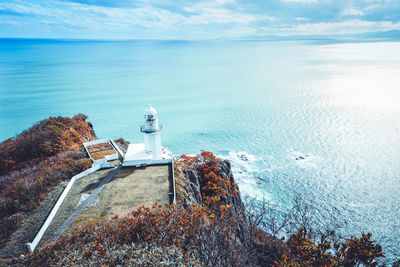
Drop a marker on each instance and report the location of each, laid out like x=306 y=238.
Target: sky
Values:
x=208 y=19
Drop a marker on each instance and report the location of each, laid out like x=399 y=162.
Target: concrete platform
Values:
x=123 y=189
x=136 y=155
x=128 y=190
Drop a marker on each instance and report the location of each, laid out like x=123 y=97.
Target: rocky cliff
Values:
x=209 y=226
x=190 y=180
x=206 y=227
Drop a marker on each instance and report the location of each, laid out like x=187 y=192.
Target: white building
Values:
x=150 y=152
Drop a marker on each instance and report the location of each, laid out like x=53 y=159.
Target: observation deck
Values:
x=144 y=130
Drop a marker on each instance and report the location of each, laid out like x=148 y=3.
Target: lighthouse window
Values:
x=150 y=117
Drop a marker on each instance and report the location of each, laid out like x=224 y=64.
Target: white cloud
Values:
x=215 y=12
x=222 y=2
x=373 y=6
x=77 y=17
x=10 y=22
x=302 y=1
x=149 y=17
x=240 y=31
x=302 y=19
x=27 y=8
x=206 y=18
x=352 y=12
x=215 y=15
x=199 y=6
x=345 y=27
x=158 y=18
x=266 y=17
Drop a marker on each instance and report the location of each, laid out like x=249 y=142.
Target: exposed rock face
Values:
x=189 y=182
x=193 y=178
x=235 y=199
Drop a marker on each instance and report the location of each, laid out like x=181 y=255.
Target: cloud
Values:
x=239 y=31
x=148 y=17
x=182 y=19
x=346 y=27
x=218 y=15
x=215 y=12
x=352 y=12
x=158 y=18
x=11 y=22
x=110 y=3
x=266 y=17
x=25 y=9
x=74 y=17
x=302 y=19
x=222 y=2
x=302 y=1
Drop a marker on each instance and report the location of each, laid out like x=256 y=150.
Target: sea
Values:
x=318 y=119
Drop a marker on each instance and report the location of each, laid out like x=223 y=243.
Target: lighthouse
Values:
x=152 y=133
x=150 y=152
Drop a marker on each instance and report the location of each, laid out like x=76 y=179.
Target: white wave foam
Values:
x=303 y=160
x=167 y=151
x=242 y=156
x=244 y=169
x=241 y=162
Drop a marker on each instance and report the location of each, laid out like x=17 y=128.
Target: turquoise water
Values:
x=337 y=105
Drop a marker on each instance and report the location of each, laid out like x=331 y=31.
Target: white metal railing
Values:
x=144 y=130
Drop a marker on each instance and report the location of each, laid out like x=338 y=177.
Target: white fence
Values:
x=32 y=245
x=98 y=164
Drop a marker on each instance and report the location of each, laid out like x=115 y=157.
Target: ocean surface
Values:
x=310 y=118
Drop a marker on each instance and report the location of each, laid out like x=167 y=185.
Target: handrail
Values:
x=143 y=129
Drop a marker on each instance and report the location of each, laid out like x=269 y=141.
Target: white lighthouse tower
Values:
x=150 y=152
x=152 y=133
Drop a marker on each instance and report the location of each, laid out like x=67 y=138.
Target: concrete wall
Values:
x=144 y=163
x=121 y=154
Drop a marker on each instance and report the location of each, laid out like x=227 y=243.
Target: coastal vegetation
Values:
x=208 y=226
x=37 y=160
x=47 y=138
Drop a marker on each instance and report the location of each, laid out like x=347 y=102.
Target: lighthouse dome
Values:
x=150 y=111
